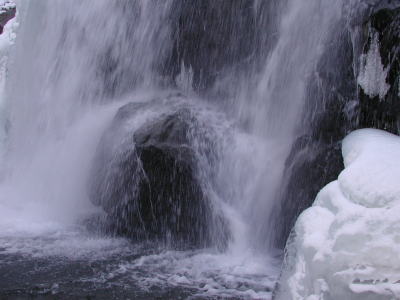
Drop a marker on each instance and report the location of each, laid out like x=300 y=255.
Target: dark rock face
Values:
x=212 y=38
x=146 y=181
x=375 y=112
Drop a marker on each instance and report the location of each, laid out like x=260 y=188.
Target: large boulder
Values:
x=147 y=177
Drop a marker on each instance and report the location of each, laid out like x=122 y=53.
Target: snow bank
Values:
x=347 y=245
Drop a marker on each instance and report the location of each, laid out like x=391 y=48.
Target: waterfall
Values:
x=278 y=100
x=78 y=58
x=87 y=77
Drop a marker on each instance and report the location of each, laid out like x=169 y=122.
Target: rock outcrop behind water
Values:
x=379 y=78
x=330 y=255
x=146 y=176
x=356 y=86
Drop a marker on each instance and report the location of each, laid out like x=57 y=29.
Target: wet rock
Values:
x=383 y=112
x=335 y=107
x=211 y=37
x=146 y=179
x=315 y=158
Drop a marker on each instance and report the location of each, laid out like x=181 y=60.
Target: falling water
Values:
x=276 y=104
x=75 y=63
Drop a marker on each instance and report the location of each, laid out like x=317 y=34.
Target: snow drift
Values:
x=347 y=245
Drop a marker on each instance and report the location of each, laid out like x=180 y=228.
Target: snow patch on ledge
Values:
x=7 y=4
x=372 y=77
x=347 y=245
x=7 y=40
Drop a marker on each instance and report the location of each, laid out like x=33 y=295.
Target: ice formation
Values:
x=184 y=80
x=372 y=77
x=347 y=245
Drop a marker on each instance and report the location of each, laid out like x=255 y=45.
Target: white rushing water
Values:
x=75 y=63
x=280 y=95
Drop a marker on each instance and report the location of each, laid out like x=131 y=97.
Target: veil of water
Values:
x=75 y=63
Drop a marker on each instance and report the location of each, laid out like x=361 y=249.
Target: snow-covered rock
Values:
x=7 y=37
x=8 y=10
x=347 y=245
x=8 y=29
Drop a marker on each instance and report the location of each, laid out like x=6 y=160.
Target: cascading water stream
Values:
x=75 y=63
x=276 y=104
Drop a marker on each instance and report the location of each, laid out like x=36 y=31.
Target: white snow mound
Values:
x=347 y=245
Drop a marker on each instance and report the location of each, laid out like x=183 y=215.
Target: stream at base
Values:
x=73 y=263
